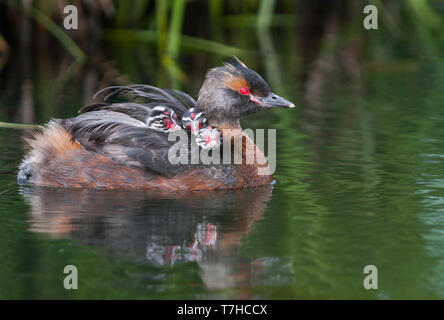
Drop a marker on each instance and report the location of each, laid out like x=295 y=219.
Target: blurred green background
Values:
x=293 y=44
x=360 y=161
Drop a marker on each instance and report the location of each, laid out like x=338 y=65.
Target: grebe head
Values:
x=193 y=120
x=233 y=91
x=162 y=119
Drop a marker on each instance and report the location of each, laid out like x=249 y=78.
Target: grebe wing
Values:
x=123 y=139
x=151 y=160
x=134 y=110
x=183 y=98
x=179 y=101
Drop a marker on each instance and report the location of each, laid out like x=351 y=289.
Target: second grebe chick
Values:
x=193 y=120
x=162 y=119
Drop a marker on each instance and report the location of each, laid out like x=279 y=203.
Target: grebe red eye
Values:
x=192 y=115
x=166 y=112
x=244 y=91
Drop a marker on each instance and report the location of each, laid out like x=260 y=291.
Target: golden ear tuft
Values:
x=239 y=62
x=235 y=64
x=235 y=83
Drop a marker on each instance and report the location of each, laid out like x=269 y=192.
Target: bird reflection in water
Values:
x=158 y=228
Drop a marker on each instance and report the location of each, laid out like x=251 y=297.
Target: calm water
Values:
x=359 y=181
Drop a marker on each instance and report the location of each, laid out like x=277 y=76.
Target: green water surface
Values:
x=361 y=186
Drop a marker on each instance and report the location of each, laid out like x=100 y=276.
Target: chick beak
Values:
x=273 y=100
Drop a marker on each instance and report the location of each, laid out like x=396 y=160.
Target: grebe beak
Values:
x=273 y=100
